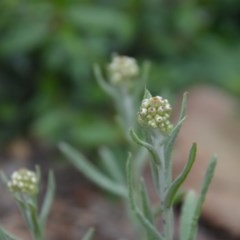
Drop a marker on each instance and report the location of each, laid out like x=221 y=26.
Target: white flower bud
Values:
x=152 y=110
x=145 y=103
x=143 y=112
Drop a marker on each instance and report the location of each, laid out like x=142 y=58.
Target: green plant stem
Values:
x=167 y=214
x=29 y=212
x=168 y=225
x=125 y=104
x=165 y=178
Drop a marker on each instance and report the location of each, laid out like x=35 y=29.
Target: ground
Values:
x=78 y=205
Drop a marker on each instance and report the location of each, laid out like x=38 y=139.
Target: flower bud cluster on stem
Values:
x=122 y=69
x=155 y=112
x=23 y=181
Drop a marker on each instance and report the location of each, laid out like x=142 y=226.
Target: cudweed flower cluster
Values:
x=122 y=69
x=23 y=181
x=24 y=188
x=155 y=112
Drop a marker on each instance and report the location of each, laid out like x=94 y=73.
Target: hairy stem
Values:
x=165 y=178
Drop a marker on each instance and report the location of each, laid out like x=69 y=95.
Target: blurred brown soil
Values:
x=79 y=205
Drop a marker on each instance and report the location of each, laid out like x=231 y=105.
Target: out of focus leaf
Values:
x=101 y=20
x=23 y=37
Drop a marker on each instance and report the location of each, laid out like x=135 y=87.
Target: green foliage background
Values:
x=47 y=49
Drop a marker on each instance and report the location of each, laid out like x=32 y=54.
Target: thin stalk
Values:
x=165 y=178
x=168 y=223
x=127 y=110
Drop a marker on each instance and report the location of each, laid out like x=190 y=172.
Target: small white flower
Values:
x=145 y=103
x=149 y=116
x=158 y=118
x=143 y=112
x=152 y=110
x=33 y=179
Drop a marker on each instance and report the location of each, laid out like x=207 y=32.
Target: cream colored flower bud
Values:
x=23 y=181
x=143 y=112
x=122 y=69
x=158 y=114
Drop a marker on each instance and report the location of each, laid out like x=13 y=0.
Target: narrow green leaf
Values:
x=181 y=177
x=48 y=199
x=22 y=205
x=141 y=156
x=102 y=83
x=90 y=171
x=175 y=131
x=188 y=210
x=146 y=207
x=89 y=234
x=38 y=174
x=207 y=180
x=4 y=235
x=110 y=164
x=155 y=176
x=4 y=178
x=143 y=220
x=36 y=229
x=147 y=94
x=148 y=146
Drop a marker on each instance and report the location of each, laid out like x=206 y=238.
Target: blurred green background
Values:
x=47 y=49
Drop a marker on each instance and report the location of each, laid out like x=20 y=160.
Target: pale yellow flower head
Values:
x=23 y=181
x=122 y=69
x=155 y=112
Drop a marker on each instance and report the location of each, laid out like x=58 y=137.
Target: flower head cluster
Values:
x=23 y=181
x=122 y=69
x=155 y=113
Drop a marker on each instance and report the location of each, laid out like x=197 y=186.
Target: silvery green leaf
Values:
x=4 y=178
x=103 y=84
x=150 y=228
x=188 y=209
x=206 y=182
x=146 y=204
x=110 y=163
x=48 y=199
x=147 y=94
x=176 y=184
x=148 y=146
x=90 y=171
x=89 y=234
x=176 y=129
x=4 y=235
x=146 y=207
